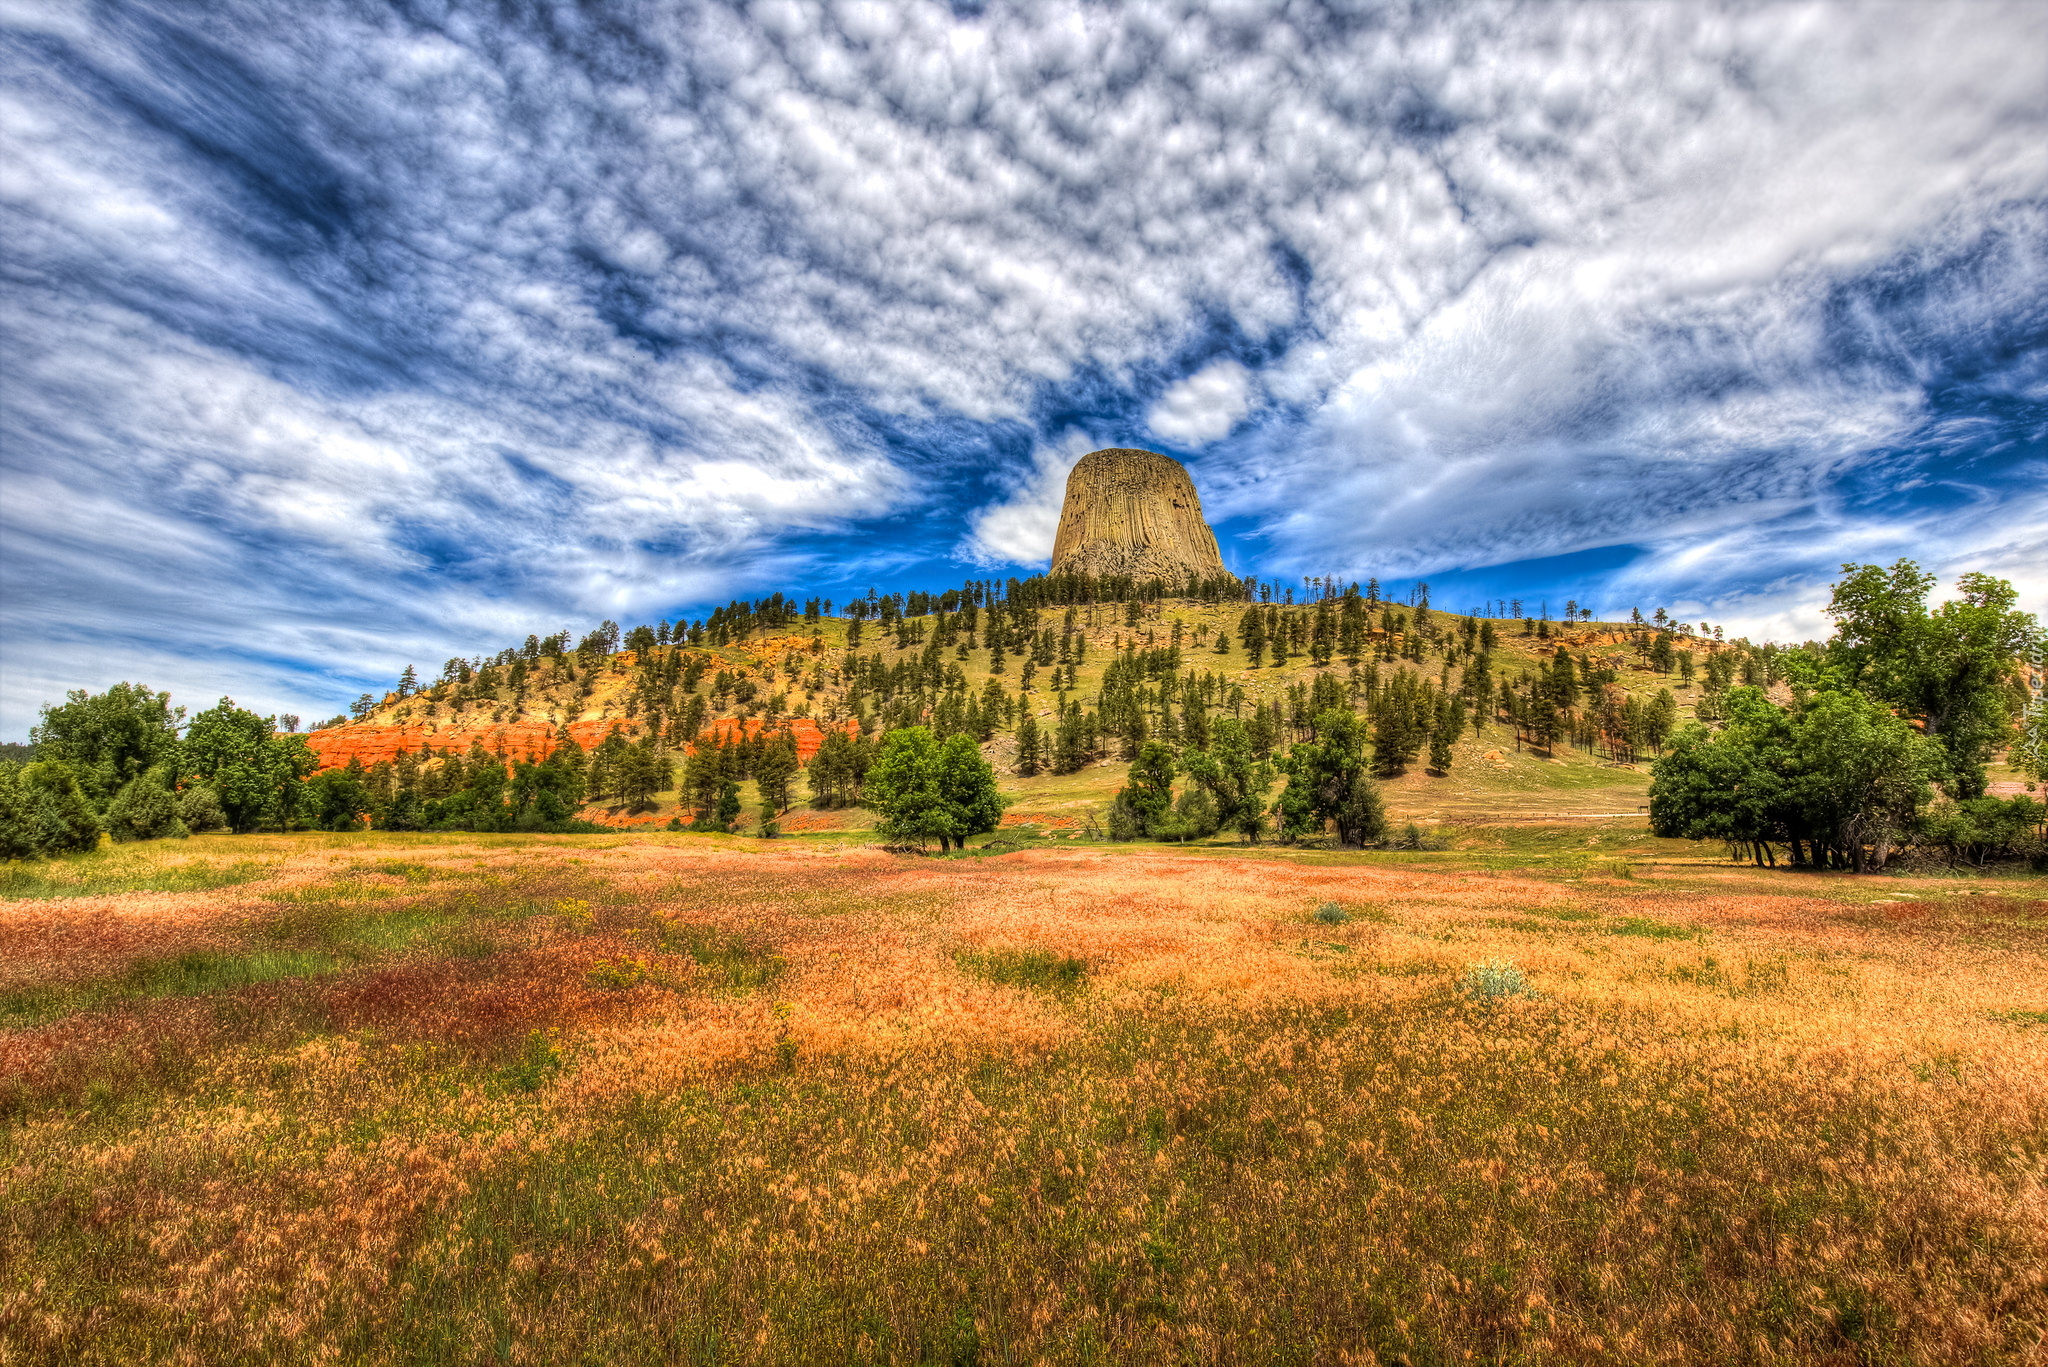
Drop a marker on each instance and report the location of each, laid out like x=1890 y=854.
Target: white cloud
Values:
x=1205 y=406
x=1020 y=529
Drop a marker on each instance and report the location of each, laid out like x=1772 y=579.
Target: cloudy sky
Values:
x=341 y=336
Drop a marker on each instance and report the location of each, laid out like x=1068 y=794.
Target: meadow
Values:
x=1550 y=1096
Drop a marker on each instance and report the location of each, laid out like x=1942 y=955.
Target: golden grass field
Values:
x=680 y=1099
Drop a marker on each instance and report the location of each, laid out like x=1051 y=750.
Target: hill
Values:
x=1142 y=666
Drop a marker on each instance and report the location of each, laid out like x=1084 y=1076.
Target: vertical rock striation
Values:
x=1136 y=513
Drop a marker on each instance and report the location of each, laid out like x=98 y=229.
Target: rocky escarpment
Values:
x=1136 y=513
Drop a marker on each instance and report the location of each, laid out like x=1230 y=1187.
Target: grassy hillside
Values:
x=803 y=671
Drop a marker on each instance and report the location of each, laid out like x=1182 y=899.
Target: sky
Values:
x=336 y=337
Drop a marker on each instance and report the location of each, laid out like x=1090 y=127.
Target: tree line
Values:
x=1883 y=741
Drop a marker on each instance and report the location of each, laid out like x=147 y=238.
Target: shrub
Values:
x=43 y=813
x=199 y=808
x=1494 y=980
x=145 y=809
x=1332 y=914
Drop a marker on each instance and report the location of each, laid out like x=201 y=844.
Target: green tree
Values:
x=928 y=790
x=1351 y=630
x=199 y=808
x=1146 y=798
x=1440 y=753
x=338 y=799
x=1251 y=630
x=1234 y=776
x=252 y=770
x=1951 y=668
x=109 y=739
x=1328 y=783
x=1862 y=774
x=1322 y=639
x=775 y=769
x=1837 y=773
x=1029 y=746
x=838 y=771
x=1731 y=787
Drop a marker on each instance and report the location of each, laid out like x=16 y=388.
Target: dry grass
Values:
x=495 y=1100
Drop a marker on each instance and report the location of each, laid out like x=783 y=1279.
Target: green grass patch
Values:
x=1528 y=925
x=2021 y=1017
x=1038 y=970
x=1643 y=928
x=734 y=963
x=1564 y=912
x=191 y=974
x=93 y=875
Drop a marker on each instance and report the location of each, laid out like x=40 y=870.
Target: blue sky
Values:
x=342 y=336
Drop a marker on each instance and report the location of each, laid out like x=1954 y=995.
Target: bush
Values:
x=199 y=808
x=1979 y=831
x=1331 y=914
x=146 y=809
x=1494 y=980
x=43 y=813
x=1193 y=817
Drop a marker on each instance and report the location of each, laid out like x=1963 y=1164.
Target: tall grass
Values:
x=1692 y=1148
x=92 y=875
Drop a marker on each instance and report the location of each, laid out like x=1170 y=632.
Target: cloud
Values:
x=1204 y=406
x=1020 y=529
x=345 y=334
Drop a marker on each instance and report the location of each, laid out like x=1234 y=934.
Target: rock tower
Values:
x=1136 y=513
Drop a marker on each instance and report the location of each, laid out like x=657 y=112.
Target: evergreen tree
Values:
x=1440 y=751
x=1322 y=644
x=1251 y=629
x=1028 y=758
x=775 y=770
x=1351 y=633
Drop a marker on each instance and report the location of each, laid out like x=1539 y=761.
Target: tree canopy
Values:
x=927 y=789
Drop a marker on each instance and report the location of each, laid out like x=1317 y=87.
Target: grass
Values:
x=804 y=1106
x=118 y=870
x=193 y=973
x=1646 y=928
x=732 y=961
x=1035 y=969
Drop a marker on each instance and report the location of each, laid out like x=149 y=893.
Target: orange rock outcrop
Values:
x=531 y=741
x=372 y=743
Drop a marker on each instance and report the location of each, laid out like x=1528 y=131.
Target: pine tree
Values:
x=1322 y=645
x=1028 y=761
x=1251 y=629
x=775 y=770
x=1351 y=636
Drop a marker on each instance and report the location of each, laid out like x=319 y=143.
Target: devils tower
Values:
x=1136 y=513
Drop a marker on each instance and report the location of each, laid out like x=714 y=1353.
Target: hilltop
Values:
x=979 y=660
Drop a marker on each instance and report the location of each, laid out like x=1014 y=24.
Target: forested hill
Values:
x=1068 y=683
x=1070 y=687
